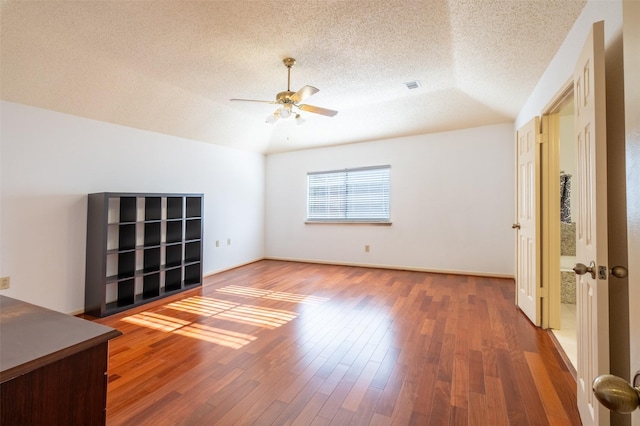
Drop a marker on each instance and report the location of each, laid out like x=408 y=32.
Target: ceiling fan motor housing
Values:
x=284 y=97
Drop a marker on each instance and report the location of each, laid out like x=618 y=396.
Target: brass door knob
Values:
x=616 y=394
x=515 y=226
x=619 y=272
x=581 y=269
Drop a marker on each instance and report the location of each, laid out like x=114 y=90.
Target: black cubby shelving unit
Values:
x=141 y=247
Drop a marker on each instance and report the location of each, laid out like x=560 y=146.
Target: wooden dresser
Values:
x=53 y=367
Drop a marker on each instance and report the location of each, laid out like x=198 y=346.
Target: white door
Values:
x=527 y=225
x=591 y=225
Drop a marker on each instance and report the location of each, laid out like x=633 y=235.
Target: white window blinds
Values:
x=350 y=195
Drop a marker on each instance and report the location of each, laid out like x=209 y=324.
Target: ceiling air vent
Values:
x=412 y=84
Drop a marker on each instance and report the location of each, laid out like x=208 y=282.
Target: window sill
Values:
x=346 y=222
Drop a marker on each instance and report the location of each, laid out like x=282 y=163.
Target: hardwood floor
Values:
x=293 y=343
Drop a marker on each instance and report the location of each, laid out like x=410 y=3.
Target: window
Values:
x=352 y=195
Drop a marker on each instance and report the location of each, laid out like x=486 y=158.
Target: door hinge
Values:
x=543 y=291
x=542 y=135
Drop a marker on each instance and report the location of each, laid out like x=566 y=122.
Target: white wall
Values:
x=452 y=204
x=50 y=161
x=560 y=69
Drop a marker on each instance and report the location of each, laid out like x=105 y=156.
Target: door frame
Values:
x=631 y=49
x=550 y=207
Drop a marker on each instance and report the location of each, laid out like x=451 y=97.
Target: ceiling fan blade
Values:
x=318 y=110
x=254 y=100
x=304 y=93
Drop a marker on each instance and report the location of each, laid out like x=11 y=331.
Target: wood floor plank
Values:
x=478 y=409
x=497 y=414
x=356 y=394
x=310 y=410
x=390 y=393
x=335 y=400
x=342 y=417
x=459 y=416
x=365 y=411
x=550 y=400
x=292 y=390
x=385 y=368
x=295 y=408
x=277 y=342
x=379 y=420
x=269 y=416
x=440 y=408
x=476 y=372
x=532 y=402
x=515 y=404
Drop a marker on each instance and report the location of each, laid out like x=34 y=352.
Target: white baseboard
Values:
x=396 y=267
x=228 y=268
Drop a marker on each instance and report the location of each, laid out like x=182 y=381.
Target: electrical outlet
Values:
x=228 y=241
x=367 y=248
x=217 y=243
x=5 y=283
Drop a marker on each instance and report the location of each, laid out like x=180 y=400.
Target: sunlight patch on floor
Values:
x=274 y=295
x=215 y=335
x=230 y=311
x=202 y=305
x=156 y=321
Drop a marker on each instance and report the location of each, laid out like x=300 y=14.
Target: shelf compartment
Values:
x=126 y=292
x=192 y=251
x=113 y=210
x=111 y=292
x=126 y=264
x=127 y=209
x=151 y=260
x=127 y=237
x=151 y=285
x=194 y=206
x=173 y=255
x=173 y=279
x=193 y=229
x=174 y=231
x=174 y=207
x=152 y=232
x=113 y=236
x=192 y=274
x=152 y=208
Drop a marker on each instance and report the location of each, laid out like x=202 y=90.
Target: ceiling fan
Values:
x=289 y=99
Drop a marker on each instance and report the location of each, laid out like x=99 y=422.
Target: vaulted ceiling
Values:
x=172 y=66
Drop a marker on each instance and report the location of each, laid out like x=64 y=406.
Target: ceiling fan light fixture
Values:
x=285 y=111
x=271 y=118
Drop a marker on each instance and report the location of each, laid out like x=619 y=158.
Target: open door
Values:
x=527 y=224
x=591 y=226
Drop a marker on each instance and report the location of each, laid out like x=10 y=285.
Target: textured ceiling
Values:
x=172 y=66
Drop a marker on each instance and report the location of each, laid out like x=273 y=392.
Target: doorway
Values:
x=565 y=330
x=558 y=213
